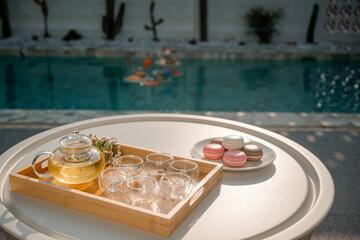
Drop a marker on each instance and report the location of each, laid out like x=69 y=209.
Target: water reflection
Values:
x=206 y=85
x=50 y=81
x=337 y=88
x=307 y=79
x=10 y=84
x=257 y=77
x=200 y=83
x=114 y=74
x=22 y=89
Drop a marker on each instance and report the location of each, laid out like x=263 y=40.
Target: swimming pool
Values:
x=206 y=85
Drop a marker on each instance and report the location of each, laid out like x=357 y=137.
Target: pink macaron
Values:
x=235 y=158
x=213 y=151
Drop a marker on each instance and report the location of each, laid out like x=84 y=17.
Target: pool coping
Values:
x=50 y=117
x=213 y=49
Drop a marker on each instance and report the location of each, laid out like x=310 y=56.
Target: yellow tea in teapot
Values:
x=76 y=173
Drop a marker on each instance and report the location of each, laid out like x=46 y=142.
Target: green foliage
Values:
x=262 y=22
x=109 y=146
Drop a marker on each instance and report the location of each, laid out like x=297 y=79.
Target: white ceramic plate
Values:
x=268 y=156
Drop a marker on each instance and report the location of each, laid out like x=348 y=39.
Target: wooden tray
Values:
x=89 y=198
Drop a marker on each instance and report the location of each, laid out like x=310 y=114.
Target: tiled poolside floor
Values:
x=333 y=138
x=264 y=119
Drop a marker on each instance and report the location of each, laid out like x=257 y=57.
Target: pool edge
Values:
x=50 y=117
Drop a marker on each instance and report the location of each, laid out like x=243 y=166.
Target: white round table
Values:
x=284 y=200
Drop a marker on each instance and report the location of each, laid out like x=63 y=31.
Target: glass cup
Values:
x=112 y=180
x=132 y=163
x=188 y=167
x=176 y=186
x=142 y=189
x=158 y=164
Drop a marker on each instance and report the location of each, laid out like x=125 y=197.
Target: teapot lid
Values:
x=75 y=141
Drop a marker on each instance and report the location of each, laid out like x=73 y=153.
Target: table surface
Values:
x=284 y=200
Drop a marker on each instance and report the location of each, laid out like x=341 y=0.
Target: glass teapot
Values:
x=76 y=161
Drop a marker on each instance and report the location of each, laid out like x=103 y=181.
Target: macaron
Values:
x=213 y=151
x=233 y=142
x=217 y=140
x=235 y=158
x=253 y=152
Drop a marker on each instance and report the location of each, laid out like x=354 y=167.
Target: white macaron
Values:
x=233 y=142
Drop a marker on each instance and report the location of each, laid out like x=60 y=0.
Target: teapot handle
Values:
x=34 y=162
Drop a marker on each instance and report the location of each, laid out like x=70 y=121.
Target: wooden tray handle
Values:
x=197 y=195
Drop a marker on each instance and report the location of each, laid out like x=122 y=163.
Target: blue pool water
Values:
x=206 y=85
